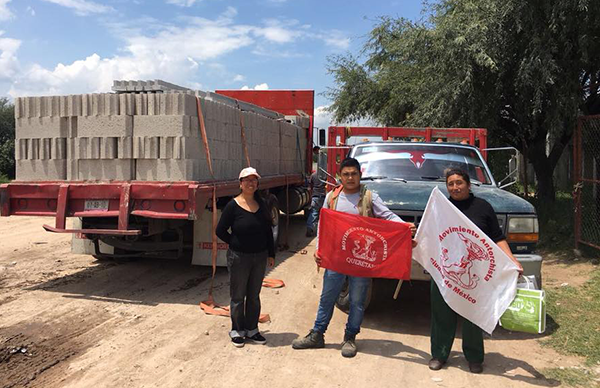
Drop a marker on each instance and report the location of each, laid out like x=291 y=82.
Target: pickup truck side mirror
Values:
x=513 y=167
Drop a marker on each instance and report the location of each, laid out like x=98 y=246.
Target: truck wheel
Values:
x=273 y=206
x=343 y=301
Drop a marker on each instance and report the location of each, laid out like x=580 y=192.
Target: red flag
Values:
x=364 y=246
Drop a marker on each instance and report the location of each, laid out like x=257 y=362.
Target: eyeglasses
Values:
x=251 y=180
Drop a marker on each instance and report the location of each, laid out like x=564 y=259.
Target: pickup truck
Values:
x=404 y=172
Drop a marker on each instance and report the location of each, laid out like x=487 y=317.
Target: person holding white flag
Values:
x=473 y=271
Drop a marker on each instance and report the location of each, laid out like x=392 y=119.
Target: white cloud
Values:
x=183 y=3
x=9 y=63
x=31 y=11
x=82 y=7
x=322 y=118
x=263 y=86
x=5 y=13
x=276 y=31
x=336 y=39
x=185 y=53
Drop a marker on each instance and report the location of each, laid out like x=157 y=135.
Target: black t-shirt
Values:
x=481 y=213
x=250 y=232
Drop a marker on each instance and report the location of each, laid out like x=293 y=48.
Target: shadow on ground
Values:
x=151 y=282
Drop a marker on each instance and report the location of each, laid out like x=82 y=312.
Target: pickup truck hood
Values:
x=413 y=196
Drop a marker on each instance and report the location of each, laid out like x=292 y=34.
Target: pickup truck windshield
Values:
x=418 y=162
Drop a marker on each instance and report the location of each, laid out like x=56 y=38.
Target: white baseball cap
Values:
x=247 y=172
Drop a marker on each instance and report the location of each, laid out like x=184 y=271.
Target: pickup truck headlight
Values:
x=522 y=229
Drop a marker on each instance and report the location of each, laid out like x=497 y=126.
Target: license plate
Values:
x=96 y=205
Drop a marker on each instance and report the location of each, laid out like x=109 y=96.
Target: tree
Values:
x=7 y=138
x=524 y=69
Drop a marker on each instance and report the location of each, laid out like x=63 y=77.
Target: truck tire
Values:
x=343 y=301
x=273 y=206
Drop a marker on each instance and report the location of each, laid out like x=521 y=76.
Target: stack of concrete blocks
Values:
x=43 y=127
x=151 y=136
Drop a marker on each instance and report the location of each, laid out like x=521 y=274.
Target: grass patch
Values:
x=4 y=179
x=576 y=313
x=573 y=377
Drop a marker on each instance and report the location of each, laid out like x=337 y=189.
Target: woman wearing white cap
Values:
x=251 y=246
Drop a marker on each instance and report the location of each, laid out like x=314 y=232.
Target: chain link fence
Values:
x=587 y=181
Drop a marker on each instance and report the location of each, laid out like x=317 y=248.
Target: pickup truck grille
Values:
x=415 y=218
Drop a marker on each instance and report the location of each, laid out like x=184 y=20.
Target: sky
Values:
x=56 y=47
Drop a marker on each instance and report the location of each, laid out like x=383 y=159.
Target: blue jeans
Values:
x=316 y=203
x=332 y=286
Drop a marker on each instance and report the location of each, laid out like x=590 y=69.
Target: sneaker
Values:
x=313 y=340
x=258 y=339
x=435 y=364
x=238 y=342
x=475 y=367
x=349 y=346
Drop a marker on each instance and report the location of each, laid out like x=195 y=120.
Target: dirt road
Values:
x=67 y=320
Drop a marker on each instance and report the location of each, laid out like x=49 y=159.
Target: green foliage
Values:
x=557 y=222
x=7 y=138
x=576 y=312
x=524 y=69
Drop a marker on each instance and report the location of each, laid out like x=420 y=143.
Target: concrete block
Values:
x=19 y=108
x=78 y=149
x=63 y=106
x=58 y=148
x=141 y=104
x=127 y=104
x=125 y=145
x=93 y=148
x=41 y=170
x=45 y=150
x=153 y=104
x=167 y=147
x=37 y=106
x=185 y=104
x=74 y=105
x=86 y=105
x=138 y=147
x=21 y=149
x=33 y=152
x=108 y=148
x=72 y=169
x=49 y=106
x=105 y=126
x=72 y=126
x=106 y=169
x=151 y=147
x=98 y=102
x=163 y=126
x=169 y=170
x=111 y=104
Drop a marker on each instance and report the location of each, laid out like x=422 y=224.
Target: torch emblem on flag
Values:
x=368 y=245
x=459 y=271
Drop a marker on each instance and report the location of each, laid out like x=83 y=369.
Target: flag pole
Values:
x=398 y=289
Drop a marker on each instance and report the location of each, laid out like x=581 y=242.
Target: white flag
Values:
x=475 y=277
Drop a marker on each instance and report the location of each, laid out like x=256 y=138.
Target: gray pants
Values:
x=246 y=274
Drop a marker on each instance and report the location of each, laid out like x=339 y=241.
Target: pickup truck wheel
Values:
x=343 y=301
x=273 y=206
